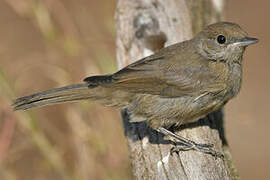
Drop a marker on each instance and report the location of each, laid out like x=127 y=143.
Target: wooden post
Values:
x=144 y=26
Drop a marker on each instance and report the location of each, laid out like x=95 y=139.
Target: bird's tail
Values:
x=96 y=88
x=54 y=96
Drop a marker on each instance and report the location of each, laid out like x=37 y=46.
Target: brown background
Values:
x=46 y=44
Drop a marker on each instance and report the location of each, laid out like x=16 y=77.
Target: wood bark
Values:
x=144 y=26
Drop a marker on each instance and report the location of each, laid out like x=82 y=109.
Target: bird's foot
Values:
x=204 y=148
x=186 y=144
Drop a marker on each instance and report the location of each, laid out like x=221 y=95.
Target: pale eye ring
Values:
x=221 y=39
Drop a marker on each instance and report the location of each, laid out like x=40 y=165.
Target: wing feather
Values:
x=166 y=73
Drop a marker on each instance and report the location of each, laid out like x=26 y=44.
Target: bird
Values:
x=176 y=85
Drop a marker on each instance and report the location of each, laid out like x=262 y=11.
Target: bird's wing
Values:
x=165 y=75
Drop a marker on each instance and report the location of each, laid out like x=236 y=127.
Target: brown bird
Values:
x=178 y=84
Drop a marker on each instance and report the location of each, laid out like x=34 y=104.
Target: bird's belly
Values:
x=159 y=111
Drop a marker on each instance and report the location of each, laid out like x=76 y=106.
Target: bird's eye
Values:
x=221 y=39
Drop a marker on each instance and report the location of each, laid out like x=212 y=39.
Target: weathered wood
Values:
x=143 y=26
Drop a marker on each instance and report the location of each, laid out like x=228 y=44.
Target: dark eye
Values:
x=221 y=39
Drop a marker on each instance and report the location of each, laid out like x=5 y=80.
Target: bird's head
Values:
x=223 y=41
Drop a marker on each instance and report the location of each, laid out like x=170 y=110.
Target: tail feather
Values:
x=59 y=95
x=96 y=88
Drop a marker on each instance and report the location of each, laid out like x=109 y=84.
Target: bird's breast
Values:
x=230 y=75
x=234 y=80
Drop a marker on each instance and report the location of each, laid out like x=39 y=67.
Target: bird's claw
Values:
x=205 y=148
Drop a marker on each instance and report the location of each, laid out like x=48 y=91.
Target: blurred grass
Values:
x=29 y=123
x=48 y=44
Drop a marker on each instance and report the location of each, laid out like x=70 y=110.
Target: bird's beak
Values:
x=246 y=41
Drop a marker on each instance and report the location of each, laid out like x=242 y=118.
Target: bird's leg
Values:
x=187 y=144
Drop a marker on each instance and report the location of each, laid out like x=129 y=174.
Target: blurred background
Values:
x=46 y=44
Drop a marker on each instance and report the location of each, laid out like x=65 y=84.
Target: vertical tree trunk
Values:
x=144 y=26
